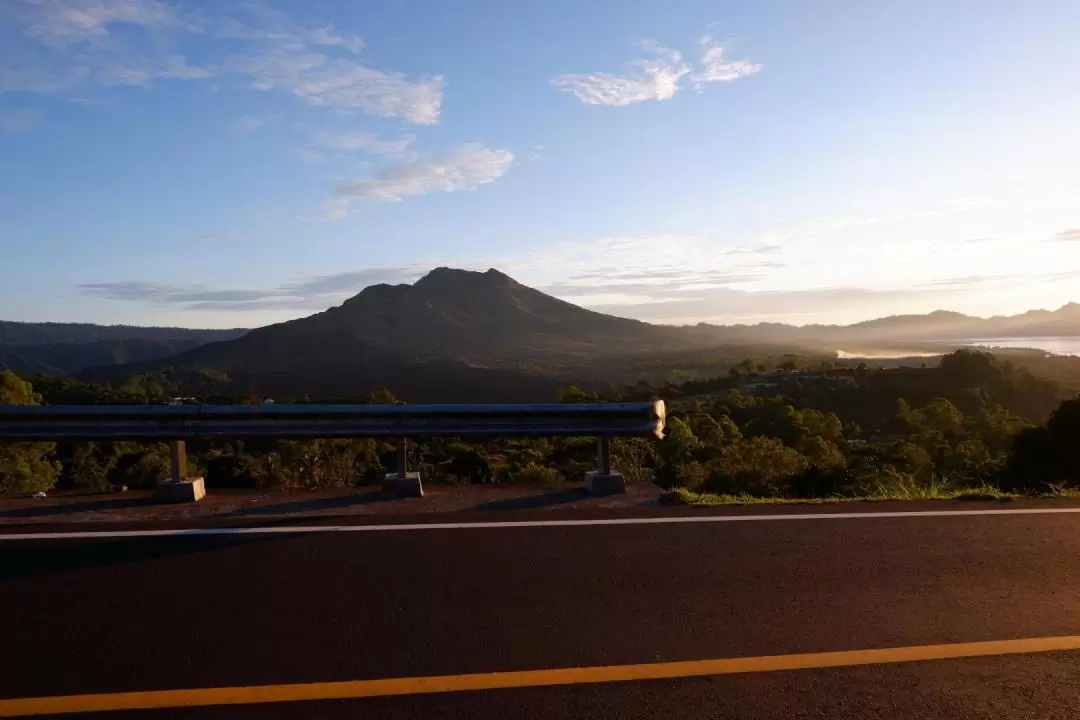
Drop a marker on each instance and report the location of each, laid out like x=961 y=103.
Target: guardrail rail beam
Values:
x=180 y=423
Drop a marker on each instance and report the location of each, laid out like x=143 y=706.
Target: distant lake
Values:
x=1067 y=345
x=1056 y=345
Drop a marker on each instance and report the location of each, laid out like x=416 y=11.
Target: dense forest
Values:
x=973 y=423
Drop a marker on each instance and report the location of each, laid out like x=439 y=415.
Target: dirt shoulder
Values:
x=136 y=506
x=441 y=503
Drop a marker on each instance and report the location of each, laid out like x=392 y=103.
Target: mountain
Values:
x=454 y=335
x=488 y=318
x=67 y=348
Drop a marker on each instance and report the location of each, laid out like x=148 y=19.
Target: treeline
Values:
x=972 y=422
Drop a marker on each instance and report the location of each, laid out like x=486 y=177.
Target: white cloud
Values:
x=343 y=84
x=1068 y=235
x=79 y=46
x=60 y=23
x=467 y=168
x=312 y=292
x=718 y=67
x=658 y=79
x=326 y=36
x=362 y=141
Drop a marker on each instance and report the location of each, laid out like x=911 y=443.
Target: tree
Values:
x=469 y=463
x=16 y=391
x=24 y=467
x=382 y=396
x=574 y=394
x=940 y=414
x=755 y=466
x=971 y=368
x=675 y=452
x=1045 y=456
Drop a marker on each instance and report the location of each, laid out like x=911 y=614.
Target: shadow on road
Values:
x=558 y=497
x=315 y=504
x=76 y=507
x=33 y=558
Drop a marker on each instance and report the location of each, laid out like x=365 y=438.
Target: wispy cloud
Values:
x=651 y=269
x=963 y=281
x=468 y=167
x=362 y=142
x=63 y=23
x=727 y=304
x=1072 y=235
x=72 y=44
x=76 y=44
x=718 y=67
x=342 y=83
x=660 y=286
x=326 y=36
x=657 y=78
x=315 y=292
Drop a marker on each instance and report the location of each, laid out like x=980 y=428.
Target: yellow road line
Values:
x=520 y=679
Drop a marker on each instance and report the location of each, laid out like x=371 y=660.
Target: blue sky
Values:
x=239 y=163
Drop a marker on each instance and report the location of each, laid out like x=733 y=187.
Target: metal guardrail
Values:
x=212 y=422
x=180 y=423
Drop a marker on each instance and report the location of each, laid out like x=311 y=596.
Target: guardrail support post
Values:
x=603 y=455
x=603 y=481
x=403 y=483
x=178 y=460
x=403 y=457
x=179 y=488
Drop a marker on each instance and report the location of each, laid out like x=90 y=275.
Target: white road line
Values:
x=677 y=520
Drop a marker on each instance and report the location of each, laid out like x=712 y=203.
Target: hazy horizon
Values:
x=202 y=164
x=612 y=311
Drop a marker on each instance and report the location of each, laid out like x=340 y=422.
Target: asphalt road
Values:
x=157 y=613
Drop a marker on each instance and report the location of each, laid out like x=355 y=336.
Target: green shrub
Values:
x=538 y=475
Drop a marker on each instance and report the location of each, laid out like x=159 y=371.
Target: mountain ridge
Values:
x=462 y=334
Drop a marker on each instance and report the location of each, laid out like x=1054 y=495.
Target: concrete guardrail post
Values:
x=403 y=483
x=179 y=487
x=603 y=481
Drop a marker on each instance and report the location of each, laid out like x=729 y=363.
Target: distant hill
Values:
x=24 y=334
x=67 y=348
x=936 y=327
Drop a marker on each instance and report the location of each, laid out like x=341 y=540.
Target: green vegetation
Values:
x=987 y=492
x=974 y=427
x=25 y=467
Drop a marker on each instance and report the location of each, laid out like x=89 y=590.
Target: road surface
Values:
x=275 y=615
